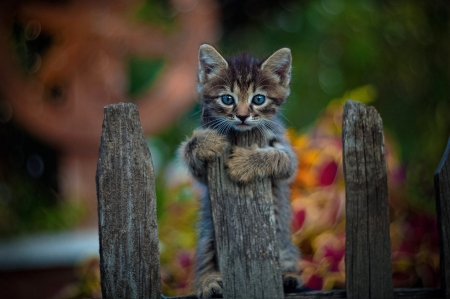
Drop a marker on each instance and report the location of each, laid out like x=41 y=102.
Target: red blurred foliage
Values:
x=327 y=173
x=318 y=201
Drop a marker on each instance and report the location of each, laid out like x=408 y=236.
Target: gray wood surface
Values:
x=413 y=293
x=129 y=253
x=368 y=256
x=442 y=188
x=244 y=225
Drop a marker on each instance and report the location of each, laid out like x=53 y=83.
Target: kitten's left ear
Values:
x=210 y=62
x=279 y=66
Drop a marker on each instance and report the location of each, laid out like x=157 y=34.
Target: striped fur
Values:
x=243 y=77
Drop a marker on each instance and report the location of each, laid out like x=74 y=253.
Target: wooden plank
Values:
x=381 y=284
x=413 y=293
x=368 y=260
x=357 y=262
x=442 y=188
x=317 y=294
x=129 y=253
x=244 y=225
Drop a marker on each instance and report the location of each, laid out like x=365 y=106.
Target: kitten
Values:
x=240 y=94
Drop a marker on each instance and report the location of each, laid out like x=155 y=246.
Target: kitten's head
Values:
x=242 y=92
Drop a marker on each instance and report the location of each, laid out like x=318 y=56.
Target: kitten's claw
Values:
x=210 y=286
x=292 y=283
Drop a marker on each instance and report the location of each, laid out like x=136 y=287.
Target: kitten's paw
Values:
x=292 y=282
x=210 y=285
x=241 y=165
x=208 y=143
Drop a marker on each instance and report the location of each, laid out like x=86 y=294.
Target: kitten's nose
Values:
x=242 y=117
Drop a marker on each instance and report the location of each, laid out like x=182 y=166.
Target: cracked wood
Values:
x=244 y=225
x=368 y=256
x=129 y=253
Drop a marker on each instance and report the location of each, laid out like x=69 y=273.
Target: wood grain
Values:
x=244 y=225
x=442 y=188
x=129 y=253
x=368 y=260
x=413 y=293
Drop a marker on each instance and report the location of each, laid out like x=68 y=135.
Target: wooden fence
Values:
x=245 y=225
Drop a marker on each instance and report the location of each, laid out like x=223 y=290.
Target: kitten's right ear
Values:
x=209 y=62
x=279 y=66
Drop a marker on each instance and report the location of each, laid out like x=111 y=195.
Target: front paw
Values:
x=210 y=285
x=208 y=143
x=242 y=165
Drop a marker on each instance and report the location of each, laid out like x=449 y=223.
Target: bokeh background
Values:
x=61 y=62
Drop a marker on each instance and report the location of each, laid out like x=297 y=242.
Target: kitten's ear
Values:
x=279 y=66
x=209 y=62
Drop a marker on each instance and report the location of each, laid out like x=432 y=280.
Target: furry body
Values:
x=240 y=94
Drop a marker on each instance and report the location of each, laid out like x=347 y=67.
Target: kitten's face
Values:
x=242 y=92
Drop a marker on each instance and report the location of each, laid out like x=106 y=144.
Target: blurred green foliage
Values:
x=394 y=52
x=142 y=73
x=156 y=12
x=400 y=48
x=29 y=200
x=27 y=208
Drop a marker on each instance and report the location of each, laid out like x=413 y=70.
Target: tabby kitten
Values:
x=239 y=94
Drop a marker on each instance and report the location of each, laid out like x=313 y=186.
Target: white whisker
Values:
x=258 y=126
x=226 y=80
x=261 y=80
x=207 y=124
x=281 y=114
x=212 y=87
x=274 y=126
x=265 y=85
x=195 y=113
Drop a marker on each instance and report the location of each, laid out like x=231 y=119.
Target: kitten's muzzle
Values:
x=242 y=117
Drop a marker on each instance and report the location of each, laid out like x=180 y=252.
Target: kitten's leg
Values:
x=203 y=146
x=208 y=279
x=289 y=253
x=277 y=161
x=289 y=258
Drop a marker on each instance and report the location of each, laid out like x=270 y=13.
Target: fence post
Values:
x=442 y=188
x=128 y=232
x=368 y=255
x=244 y=225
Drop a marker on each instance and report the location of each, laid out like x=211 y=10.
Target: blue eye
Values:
x=227 y=99
x=258 y=99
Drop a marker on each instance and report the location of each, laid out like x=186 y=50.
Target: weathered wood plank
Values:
x=368 y=261
x=426 y=293
x=244 y=225
x=378 y=207
x=317 y=294
x=442 y=189
x=357 y=261
x=129 y=253
x=415 y=293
